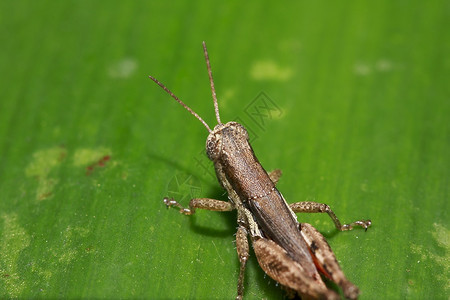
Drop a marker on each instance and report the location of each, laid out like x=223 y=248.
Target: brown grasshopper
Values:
x=292 y=253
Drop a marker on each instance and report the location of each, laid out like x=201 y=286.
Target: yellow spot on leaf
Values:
x=86 y=156
x=43 y=162
x=123 y=68
x=13 y=240
x=442 y=237
x=269 y=70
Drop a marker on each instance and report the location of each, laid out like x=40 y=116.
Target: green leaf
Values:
x=350 y=100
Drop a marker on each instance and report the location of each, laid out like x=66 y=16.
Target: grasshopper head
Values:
x=224 y=134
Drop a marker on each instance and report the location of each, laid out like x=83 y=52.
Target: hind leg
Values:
x=325 y=260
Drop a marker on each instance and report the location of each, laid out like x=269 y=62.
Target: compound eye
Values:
x=212 y=147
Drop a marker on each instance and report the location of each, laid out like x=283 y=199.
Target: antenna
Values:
x=181 y=102
x=213 y=90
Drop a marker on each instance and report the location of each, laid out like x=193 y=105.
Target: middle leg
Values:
x=242 y=250
x=314 y=207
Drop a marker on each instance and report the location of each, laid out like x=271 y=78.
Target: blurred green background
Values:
x=350 y=99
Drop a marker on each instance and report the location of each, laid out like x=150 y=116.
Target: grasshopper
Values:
x=292 y=253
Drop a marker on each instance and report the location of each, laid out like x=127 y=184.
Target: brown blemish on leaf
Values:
x=91 y=159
